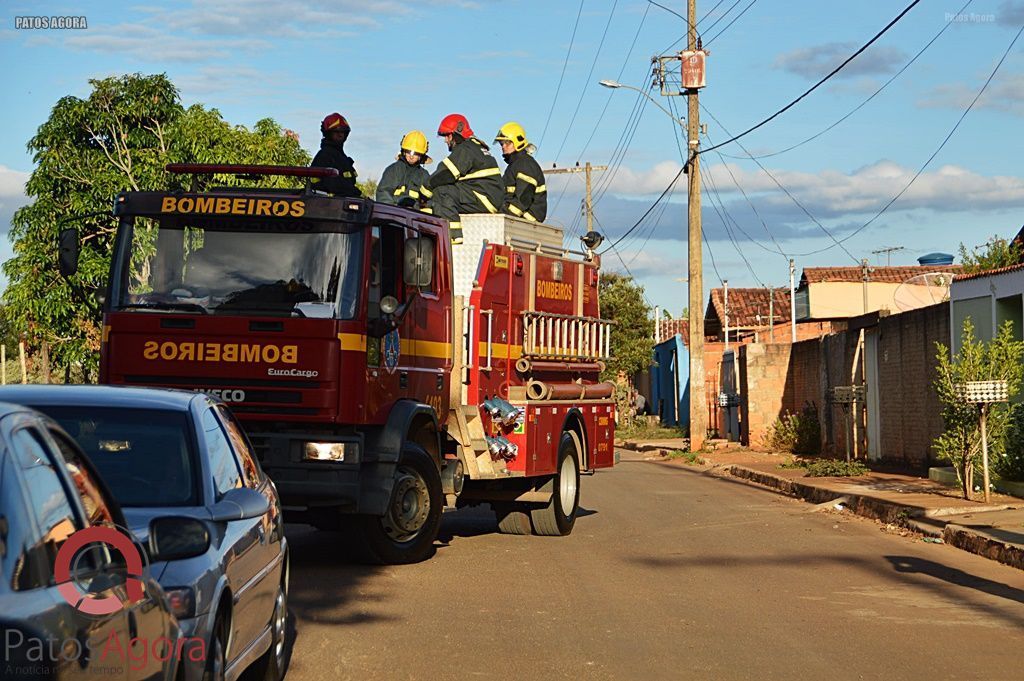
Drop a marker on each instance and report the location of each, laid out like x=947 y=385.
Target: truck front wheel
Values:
x=407 y=530
x=559 y=516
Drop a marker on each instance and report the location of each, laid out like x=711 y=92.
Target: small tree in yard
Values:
x=994 y=253
x=999 y=359
x=622 y=301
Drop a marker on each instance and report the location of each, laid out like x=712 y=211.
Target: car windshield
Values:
x=144 y=455
x=224 y=266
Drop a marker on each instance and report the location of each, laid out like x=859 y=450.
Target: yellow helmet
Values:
x=514 y=133
x=416 y=141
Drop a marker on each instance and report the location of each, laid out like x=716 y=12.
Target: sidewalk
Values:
x=994 y=530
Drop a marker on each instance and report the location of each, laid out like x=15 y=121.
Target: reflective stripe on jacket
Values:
x=526 y=194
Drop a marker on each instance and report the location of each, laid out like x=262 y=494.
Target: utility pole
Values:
x=771 y=314
x=725 y=285
x=864 y=282
x=888 y=253
x=698 y=415
x=588 y=202
x=792 y=298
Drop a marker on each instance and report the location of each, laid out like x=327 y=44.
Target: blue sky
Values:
x=391 y=66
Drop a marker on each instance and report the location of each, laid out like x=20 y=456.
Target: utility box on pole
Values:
x=693 y=69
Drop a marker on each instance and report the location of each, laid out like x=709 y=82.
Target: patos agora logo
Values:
x=82 y=596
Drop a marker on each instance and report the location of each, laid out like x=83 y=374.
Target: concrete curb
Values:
x=887 y=511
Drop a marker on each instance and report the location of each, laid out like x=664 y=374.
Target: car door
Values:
x=50 y=516
x=241 y=549
x=147 y=620
x=271 y=525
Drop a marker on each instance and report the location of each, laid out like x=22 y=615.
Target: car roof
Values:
x=8 y=408
x=98 y=396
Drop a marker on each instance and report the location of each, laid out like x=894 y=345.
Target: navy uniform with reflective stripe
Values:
x=468 y=181
x=401 y=181
x=333 y=155
x=526 y=195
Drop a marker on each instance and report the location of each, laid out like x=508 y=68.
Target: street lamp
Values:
x=615 y=85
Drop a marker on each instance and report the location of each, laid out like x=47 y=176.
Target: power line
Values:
x=622 y=70
x=614 y=171
x=558 y=88
x=896 y=75
x=725 y=217
x=786 y=191
x=724 y=15
x=651 y=208
x=735 y=19
x=819 y=83
x=586 y=83
x=667 y=9
x=935 y=153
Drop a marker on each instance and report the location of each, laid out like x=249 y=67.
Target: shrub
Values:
x=796 y=433
x=960 y=442
x=835 y=468
x=1010 y=466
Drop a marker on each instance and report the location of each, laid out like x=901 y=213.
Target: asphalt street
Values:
x=669 y=574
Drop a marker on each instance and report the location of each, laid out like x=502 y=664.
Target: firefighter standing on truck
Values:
x=335 y=130
x=468 y=181
x=526 y=195
x=400 y=184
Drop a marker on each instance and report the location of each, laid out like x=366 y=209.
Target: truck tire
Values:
x=512 y=518
x=407 y=530
x=559 y=516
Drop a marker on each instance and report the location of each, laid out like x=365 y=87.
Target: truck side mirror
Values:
x=418 y=262
x=67 y=252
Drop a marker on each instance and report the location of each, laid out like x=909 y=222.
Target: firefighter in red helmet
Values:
x=335 y=130
x=468 y=181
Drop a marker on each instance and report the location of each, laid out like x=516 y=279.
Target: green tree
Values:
x=994 y=253
x=622 y=300
x=960 y=442
x=368 y=188
x=118 y=138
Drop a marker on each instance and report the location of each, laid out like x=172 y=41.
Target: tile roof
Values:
x=746 y=303
x=891 y=275
x=988 y=273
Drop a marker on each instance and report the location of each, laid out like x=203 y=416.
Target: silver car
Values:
x=165 y=452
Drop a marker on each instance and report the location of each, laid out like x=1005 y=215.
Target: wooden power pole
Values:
x=698 y=408
x=588 y=202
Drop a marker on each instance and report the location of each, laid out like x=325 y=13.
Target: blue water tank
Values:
x=936 y=259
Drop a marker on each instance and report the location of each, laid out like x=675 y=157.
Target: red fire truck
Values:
x=381 y=376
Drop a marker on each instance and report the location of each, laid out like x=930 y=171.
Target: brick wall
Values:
x=780 y=378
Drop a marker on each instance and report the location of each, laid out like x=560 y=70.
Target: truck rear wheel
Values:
x=512 y=518
x=559 y=516
x=407 y=530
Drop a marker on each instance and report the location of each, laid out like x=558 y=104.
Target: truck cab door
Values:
x=387 y=376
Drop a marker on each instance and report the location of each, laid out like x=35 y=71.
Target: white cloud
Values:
x=1011 y=13
x=1005 y=93
x=814 y=62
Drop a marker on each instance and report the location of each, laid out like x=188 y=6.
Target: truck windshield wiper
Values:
x=176 y=307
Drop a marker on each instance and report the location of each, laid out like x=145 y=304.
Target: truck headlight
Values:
x=331 y=451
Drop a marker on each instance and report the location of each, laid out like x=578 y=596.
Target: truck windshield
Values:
x=241 y=267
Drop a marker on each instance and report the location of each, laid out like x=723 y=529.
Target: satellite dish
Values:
x=922 y=290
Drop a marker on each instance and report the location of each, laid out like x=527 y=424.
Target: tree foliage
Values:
x=118 y=138
x=622 y=300
x=994 y=253
x=999 y=359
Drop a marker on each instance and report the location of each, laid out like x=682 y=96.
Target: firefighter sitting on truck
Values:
x=332 y=154
x=525 y=192
x=468 y=181
x=400 y=184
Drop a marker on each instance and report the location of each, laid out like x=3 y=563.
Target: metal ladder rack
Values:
x=547 y=335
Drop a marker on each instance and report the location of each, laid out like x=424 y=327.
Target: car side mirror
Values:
x=240 y=503
x=67 y=252
x=418 y=262
x=177 y=538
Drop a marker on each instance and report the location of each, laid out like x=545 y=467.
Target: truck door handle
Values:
x=403 y=379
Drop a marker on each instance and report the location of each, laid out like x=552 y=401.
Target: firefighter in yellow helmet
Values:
x=525 y=192
x=400 y=184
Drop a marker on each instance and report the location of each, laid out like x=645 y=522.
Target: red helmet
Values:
x=455 y=123
x=335 y=121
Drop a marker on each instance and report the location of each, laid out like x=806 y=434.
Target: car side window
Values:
x=56 y=520
x=226 y=475
x=251 y=472
x=97 y=508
